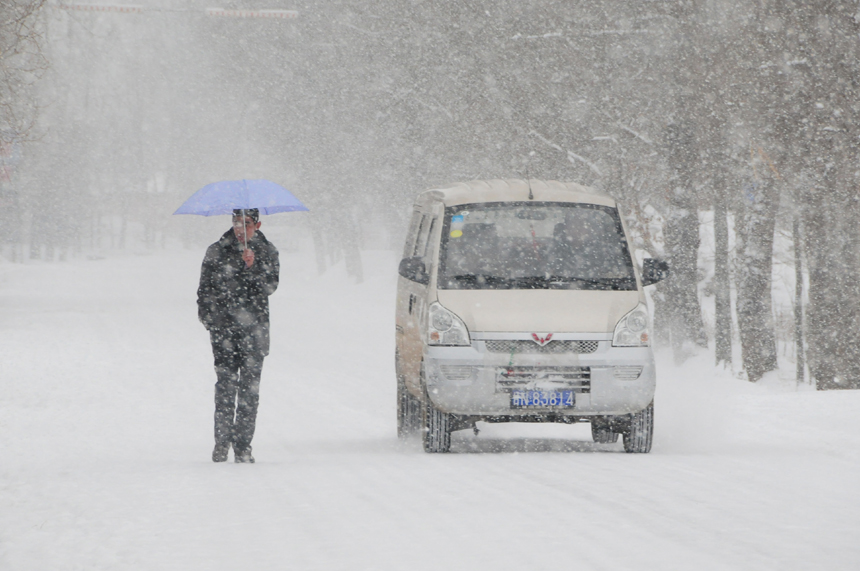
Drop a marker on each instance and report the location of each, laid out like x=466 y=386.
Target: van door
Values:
x=412 y=302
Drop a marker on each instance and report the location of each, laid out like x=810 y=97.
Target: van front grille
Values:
x=577 y=379
x=553 y=347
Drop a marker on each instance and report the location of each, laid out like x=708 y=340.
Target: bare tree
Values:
x=21 y=63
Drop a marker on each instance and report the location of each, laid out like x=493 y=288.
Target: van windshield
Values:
x=534 y=245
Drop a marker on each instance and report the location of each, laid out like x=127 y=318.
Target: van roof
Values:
x=512 y=190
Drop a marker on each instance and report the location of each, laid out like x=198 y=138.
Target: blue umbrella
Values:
x=228 y=195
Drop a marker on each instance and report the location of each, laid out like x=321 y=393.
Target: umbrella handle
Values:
x=244 y=229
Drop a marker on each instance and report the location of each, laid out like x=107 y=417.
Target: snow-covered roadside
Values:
x=105 y=435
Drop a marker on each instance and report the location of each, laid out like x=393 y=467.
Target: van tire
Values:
x=640 y=433
x=437 y=429
x=602 y=433
x=408 y=412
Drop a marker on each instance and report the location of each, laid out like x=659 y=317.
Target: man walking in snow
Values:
x=239 y=273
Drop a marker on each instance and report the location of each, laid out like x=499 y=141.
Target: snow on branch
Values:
x=571 y=156
x=635 y=134
x=579 y=33
x=283 y=14
x=539 y=37
x=123 y=9
x=136 y=9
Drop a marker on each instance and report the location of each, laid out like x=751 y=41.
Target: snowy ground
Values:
x=105 y=441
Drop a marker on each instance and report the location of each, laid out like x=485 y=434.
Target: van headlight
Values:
x=633 y=330
x=445 y=328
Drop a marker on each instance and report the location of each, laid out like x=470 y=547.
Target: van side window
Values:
x=421 y=243
x=429 y=235
x=412 y=235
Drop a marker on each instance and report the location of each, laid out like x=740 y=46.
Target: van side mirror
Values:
x=653 y=271
x=414 y=269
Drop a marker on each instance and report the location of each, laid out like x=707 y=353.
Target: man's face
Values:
x=244 y=228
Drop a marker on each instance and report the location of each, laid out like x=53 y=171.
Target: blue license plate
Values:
x=543 y=399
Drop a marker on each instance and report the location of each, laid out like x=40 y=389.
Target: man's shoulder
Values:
x=265 y=241
x=217 y=249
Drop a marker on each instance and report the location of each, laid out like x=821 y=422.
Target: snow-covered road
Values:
x=106 y=408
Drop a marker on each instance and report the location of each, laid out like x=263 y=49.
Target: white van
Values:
x=519 y=301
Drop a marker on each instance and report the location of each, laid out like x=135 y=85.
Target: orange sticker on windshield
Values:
x=456 y=233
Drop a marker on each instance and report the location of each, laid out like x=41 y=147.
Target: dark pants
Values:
x=238 y=364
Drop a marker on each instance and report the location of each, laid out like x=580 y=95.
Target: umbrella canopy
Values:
x=228 y=195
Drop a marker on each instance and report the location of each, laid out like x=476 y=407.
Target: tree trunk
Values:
x=682 y=245
x=123 y=230
x=685 y=315
x=319 y=245
x=831 y=316
x=824 y=299
x=722 y=293
x=798 y=301
x=754 y=305
x=350 y=239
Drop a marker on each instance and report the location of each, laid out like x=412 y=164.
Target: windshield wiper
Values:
x=617 y=282
x=532 y=282
x=540 y=282
x=480 y=279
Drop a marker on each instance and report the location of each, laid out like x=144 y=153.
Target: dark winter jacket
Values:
x=234 y=299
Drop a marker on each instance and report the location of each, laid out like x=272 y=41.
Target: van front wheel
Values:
x=437 y=429
x=637 y=438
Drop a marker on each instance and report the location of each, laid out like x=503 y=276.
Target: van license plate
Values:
x=543 y=399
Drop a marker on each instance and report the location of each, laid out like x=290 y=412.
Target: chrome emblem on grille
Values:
x=542 y=340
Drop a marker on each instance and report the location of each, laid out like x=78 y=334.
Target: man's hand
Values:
x=248 y=256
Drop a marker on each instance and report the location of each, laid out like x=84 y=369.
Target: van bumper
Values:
x=470 y=381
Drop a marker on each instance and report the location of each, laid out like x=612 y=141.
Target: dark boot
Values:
x=243 y=456
x=219 y=454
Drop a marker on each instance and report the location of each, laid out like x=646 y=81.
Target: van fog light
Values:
x=456 y=372
x=627 y=373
